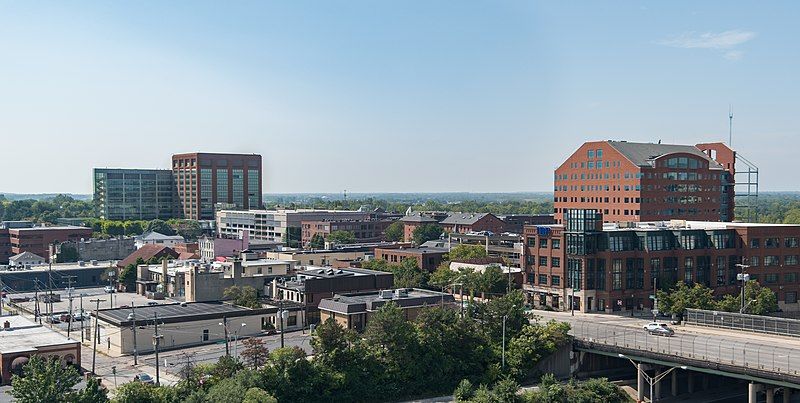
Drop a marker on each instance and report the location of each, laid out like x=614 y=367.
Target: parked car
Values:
x=152 y=303
x=144 y=378
x=109 y=289
x=64 y=317
x=660 y=329
x=79 y=316
x=53 y=319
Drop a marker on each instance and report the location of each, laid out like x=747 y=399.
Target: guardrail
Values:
x=738 y=321
x=718 y=350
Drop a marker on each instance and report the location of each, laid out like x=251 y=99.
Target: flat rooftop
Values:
x=183 y=312
x=70 y=266
x=419 y=249
x=27 y=335
x=370 y=301
x=59 y=227
x=329 y=272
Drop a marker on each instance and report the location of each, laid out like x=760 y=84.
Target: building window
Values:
x=771 y=278
x=790 y=278
x=790 y=260
x=688 y=270
x=616 y=274
x=205 y=334
x=543 y=279
x=772 y=242
x=543 y=243
x=754 y=261
x=542 y=260
x=556 y=244
x=791 y=297
x=790 y=242
x=531 y=241
x=755 y=243
x=771 y=260
x=555 y=262
x=556 y=280
x=291 y=321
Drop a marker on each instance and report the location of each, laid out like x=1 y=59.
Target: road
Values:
x=778 y=354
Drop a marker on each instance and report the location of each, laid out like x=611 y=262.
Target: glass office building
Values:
x=134 y=194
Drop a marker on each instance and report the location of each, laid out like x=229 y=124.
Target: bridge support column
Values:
x=705 y=382
x=657 y=387
x=752 y=392
x=674 y=383
x=690 y=382
x=770 y=395
x=640 y=382
x=787 y=395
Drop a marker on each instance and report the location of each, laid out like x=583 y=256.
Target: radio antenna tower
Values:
x=730 y=126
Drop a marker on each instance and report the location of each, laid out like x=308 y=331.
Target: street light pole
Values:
x=654 y=379
x=132 y=317
x=156 y=342
x=744 y=278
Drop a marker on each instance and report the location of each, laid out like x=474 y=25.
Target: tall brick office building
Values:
x=628 y=181
x=204 y=179
x=613 y=265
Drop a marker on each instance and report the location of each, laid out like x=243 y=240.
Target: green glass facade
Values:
x=134 y=194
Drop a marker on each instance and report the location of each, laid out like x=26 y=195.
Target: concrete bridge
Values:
x=769 y=364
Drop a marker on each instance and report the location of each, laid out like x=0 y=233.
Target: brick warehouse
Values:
x=614 y=264
x=646 y=182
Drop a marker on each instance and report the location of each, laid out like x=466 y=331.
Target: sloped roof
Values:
x=464 y=218
x=26 y=256
x=148 y=252
x=157 y=236
x=417 y=217
x=643 y=154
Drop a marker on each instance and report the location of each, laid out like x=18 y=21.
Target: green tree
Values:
x=534 y=343
x=465 y=251
x=92 y=393
x=293 y=237
x=160 y=226
x=113 y=228
x=189 y=229
x=464 y=391
x=491 y=314
x=425 y=233
x=392 y=341
x=226 y=390
x=759 y=300
x=67 y=253
x=246 y=296
x=409 y=275
x=342 y=237
x=317 y=242
x=395 y=232
x=681 y=297
x=133 y=227
x=256 y=395
x=140 y=392
x=443 y=276
x=44 y=380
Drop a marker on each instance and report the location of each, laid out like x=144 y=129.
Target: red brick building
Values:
x=427 y=258
x=365 y=231
x=38 y=239
x=463 y=223
x=613 y=266
x=205 y=179
x=628 y=181
x=414 y=221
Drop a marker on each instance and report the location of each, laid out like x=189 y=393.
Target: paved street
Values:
x=778 y=354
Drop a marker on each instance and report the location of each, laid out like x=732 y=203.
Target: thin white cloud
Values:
x=726 y=40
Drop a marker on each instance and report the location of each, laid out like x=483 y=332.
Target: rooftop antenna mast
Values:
x=730 y=126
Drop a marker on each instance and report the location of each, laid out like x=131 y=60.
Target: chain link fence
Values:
x=714 y=349
x=738 y=321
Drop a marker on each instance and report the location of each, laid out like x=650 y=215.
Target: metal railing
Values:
x=738 y=321
x=710 y=349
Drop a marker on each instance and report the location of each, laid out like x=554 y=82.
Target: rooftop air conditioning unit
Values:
x=386 y=294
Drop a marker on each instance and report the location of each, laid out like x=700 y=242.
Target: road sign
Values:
x=655 y=311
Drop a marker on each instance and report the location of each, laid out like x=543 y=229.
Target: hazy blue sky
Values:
x=388 y=95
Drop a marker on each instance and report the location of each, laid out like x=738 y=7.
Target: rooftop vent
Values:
x=386 y=294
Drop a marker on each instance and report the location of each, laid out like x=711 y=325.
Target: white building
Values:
x=155 y=238
x=26 y=260
x=271 y=225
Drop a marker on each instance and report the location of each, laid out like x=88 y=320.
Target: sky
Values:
x=389 y=96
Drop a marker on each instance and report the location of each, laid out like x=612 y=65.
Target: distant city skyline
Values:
x=388 y=97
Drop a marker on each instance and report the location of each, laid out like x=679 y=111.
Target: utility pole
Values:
x=225 y=327
x=504 y=341
x=156 y=342
x=1 y=295
x=96 y=332
x=69 y=294
x=280 y=316
x=83 y=317
x=132 y=317
x=36 y=311
x=50 y=289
